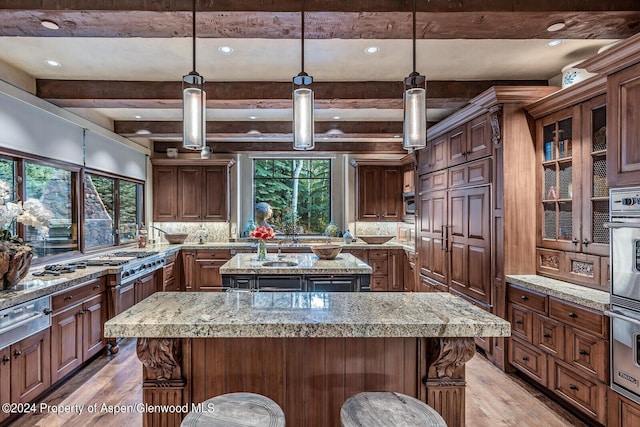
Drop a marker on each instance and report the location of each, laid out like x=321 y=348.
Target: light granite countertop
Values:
x=306 y=263
x=581 y=295
x=302 y=314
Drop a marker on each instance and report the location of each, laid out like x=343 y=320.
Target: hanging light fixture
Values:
x=303 y=127
x=194 y=100
x=415 y=103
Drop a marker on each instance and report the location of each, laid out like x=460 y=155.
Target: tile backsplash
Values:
x=375 y=228
x=216 y=231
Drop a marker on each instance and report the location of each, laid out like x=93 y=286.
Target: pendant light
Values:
x=415 y=103
x=303 y=126
x=194 y=100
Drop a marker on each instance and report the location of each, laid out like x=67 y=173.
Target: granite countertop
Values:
x=581 y=295
x=302 y=314
x=306 y=263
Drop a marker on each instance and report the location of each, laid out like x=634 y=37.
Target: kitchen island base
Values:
x=309 y=378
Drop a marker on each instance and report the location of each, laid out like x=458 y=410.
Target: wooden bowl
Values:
x=326 y=251
x=176 y=238
x=375 y=240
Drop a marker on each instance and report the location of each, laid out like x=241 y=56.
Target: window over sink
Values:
x=298 y=191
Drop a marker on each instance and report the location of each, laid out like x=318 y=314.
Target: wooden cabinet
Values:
x=563 y=346
x=409 y=278
x=77 y=327
x=623 y=96
x=395 y=272
x=145 y=286
x=169 y=282
x=379 y=262
x=379 y=190
x=5 y=379
x=201 y=269
x=190 y=191
x=409 y=178
x=621 y=412
x=572 y=190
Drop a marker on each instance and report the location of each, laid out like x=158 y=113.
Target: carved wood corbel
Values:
x=161 y=357
x=447 y=355
x=496 y=124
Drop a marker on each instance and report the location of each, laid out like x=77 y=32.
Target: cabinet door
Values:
x=395 y=270
x=368 y=193
x=189 y=193
x=189 y=269
x=595 y=192
x=126 y=296
x=145 y=286
x=94 y=314
x=469 y=242
x=559 y=180
x=479 y=138
x=66 y=338
x=332 y=284
x=391 y=208
x=216 y=196
x=30 y=375
x=207 y=273
x=623 y=127
x=165 y=190
x=5 y=379
x=431 y=244
x=457 y=146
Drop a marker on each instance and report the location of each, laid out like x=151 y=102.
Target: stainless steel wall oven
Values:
x=625 y=291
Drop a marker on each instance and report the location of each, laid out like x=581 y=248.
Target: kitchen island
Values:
x=296 y=272
x=308 y=352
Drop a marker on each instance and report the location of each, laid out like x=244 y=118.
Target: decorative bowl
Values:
x=327 y=251
x=375 y=240
x=176 y=238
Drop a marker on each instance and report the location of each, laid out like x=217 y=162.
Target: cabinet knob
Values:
x=5 y=359
x=585 y=242
x=525 y=358
x=524 y=297
x=575 y=241
x=583 y=352
x=17 y=353
x=573 y=387
x=519 y=322
x=546 y=335
x=47 y=311
x=572 y=315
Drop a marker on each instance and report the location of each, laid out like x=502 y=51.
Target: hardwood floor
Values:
x=494 y=399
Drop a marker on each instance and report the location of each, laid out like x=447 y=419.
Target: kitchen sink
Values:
x=279 y=264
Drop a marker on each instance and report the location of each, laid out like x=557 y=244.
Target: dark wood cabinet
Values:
x=5 y=379
x=409 y=274
x=190 y=190
x=379 y=190
x=30 y=374
x=145 y=286
x=201 y=269
x=168 y=281
x=77 y=327
x=621 y=412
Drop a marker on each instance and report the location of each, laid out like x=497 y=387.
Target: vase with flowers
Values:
x=15 y=255
x=262 y=233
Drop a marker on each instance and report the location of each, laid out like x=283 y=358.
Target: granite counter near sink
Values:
x=305 y=263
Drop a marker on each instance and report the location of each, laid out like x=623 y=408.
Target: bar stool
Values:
x=384 y=408
x=237 y=409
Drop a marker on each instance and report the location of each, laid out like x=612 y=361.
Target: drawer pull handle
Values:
x=525 y=358
x=81 y=312
x=17 y=353
x=573 y=387
x=519 y=322
x=96 y=287
x=572 y=315
x=584 y=352
x=546 y=335
x=524 y=298
x=68 y=297
x=5 y=359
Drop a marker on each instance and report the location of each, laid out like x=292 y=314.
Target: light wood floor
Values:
x=494 y=399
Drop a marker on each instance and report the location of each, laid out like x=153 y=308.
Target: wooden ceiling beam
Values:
x=266 y=95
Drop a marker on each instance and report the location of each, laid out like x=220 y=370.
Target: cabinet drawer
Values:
x=379 y=267
x=78 y=294
x=521 y=319
x=529 y=360
x=214 y=254
x=170 y=259
x=168 y=271
x=548 y=335
x=586 y=394
x=378 y=254
x=527 y=298
x=379 y=284
x=576 y=316
x=588 y=354
x=169 y=286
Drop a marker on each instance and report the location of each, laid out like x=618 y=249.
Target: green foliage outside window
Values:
x=299 y=192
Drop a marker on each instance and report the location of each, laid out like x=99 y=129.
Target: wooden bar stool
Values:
x=384 y=409
x=237 y=410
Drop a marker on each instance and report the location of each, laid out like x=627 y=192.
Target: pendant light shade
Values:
x=194 y=104
x=415 y=104
x=303 y=124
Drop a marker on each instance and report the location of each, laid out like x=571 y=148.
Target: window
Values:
x=111 y=204
x=299 y=192
x=7 y=178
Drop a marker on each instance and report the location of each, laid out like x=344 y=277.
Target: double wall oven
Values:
x=625 y=291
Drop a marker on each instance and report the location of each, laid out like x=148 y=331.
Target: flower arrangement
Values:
x=263 y=233
x=30 y=212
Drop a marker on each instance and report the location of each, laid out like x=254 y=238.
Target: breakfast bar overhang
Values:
x=309 y=352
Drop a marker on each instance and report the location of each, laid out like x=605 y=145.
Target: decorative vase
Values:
x=15 y=260
x=332 y=230
x=262 y=250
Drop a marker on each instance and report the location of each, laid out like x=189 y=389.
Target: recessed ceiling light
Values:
x=371 y=50
x=556 y=26
x=397 y=136
x=137 y=116
x=49 y=24
x=143 y=132
x=336 y=117
x=225 y=49
x=253 y=117
x=52 y=63
x=554 y=42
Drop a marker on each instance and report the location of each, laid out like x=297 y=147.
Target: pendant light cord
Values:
x=414 y=36
x=194 y=35
x=302 y=36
